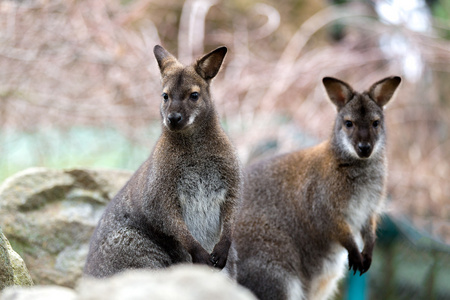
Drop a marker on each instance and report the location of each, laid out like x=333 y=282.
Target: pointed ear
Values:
x=164 y=58
x=338 y=91
x=382 y=91
x=209 y=65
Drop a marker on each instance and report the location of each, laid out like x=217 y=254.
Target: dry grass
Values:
x=67 y=63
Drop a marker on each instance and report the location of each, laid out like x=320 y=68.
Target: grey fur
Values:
x=179 y=205
x=305 y=213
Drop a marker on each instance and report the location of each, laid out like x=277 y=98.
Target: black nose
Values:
x=174 y=118
x=364 y=149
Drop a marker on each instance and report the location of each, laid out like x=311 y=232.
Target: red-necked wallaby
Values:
x=179 y=205
x=306 y=213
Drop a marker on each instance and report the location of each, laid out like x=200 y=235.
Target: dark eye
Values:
x=376 y=123
x=194 y=96
x=165 y=97
x=348 y=124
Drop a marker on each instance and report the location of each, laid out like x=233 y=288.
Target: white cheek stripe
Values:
x=378 y=145
x=347 y=145
x=192 y=117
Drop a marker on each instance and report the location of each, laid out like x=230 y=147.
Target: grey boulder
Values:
x=49 y=216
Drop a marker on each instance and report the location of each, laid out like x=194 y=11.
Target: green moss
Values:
x=12 y=266
x=6 y=272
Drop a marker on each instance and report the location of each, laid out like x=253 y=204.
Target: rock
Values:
x=187 y=282
x=48 y=292
x=12 y=268
x=6 y=270
x=49 y=216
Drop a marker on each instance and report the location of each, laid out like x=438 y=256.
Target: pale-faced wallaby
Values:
x=304 y=213
x=179 y=205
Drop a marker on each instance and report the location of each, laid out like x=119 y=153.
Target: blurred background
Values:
x=79 y=87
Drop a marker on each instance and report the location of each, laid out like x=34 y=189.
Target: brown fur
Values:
x=303 y=211
x=179 y=205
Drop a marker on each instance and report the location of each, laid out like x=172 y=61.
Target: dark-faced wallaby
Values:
x=179 y=205
x=303 y=214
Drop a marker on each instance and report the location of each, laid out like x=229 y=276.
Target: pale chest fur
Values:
x=201 y=195
x=365 y=201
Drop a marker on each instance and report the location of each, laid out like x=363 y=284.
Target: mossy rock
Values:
x=49 y=216
x=12 y=267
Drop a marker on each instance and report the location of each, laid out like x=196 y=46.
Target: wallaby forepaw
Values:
x=220 y=254
x=219 y=260
x=355 y=262
x=202 y=257
x=367 y=261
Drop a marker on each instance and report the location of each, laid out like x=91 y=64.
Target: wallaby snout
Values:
x=174 y=121
x=174 y=118
x=365 y=139
x=364 y=149
x=180 y=114
x=360 y=134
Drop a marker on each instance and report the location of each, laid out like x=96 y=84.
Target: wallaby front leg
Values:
x=346 y=239
x=198 y=253
x=220 y=252
x=368 y=234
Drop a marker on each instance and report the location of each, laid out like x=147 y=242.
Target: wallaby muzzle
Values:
x=174 y=118
x=364 y=150
x=175 y=121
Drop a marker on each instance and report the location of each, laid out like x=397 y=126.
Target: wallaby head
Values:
x=186 y=99
x=359 y=128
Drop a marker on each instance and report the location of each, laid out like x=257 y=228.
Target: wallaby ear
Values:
x=383 y=90
x=164 y=58
x=338 y=91
x=209 y=65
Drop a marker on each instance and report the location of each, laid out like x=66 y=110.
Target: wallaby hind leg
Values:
x=126 y=248
x=269 y=282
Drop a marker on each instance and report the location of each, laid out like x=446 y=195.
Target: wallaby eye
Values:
x=348 y=124
x=165 y=97
x=194 y=96
x=375 y=123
